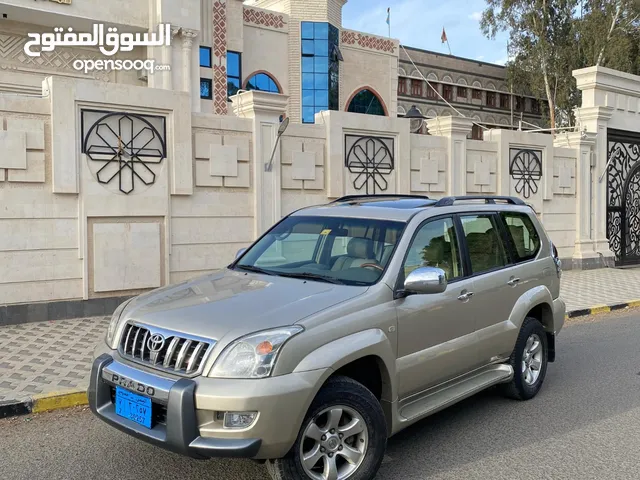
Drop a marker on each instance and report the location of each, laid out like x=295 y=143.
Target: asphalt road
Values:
x=584 y=424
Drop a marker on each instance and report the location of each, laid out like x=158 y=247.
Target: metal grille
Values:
x=623 y=196
x=180 y=355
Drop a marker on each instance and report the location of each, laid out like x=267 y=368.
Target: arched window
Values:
x=262 y=82
x=365 y=101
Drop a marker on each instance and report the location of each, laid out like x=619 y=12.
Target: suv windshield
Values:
x=349 y=251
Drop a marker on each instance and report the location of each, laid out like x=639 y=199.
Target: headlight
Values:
x=253 y=356
x=114 y=321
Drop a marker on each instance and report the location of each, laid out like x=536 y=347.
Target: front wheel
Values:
x=529 y=361
x=343 y=436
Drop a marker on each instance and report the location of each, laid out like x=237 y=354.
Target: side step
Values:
x=458 y=389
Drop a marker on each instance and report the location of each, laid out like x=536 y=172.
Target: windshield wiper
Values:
x=252 y=268
x=311 y=276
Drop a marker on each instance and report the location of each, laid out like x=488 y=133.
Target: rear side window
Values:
x=484 y=243
x=523 y=234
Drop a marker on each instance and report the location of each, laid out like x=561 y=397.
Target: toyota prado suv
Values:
x=342 y=325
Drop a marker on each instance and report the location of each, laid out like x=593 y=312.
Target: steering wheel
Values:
x=372 y=265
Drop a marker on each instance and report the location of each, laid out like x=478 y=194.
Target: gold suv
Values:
x=339 y=327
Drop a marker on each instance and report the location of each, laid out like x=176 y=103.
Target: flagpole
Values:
x=448 y=46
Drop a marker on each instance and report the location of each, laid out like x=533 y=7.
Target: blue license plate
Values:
x=133 y=407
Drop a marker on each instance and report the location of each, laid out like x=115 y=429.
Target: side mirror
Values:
x=425 y=280
x=240 y=252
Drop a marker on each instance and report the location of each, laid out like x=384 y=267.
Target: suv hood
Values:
x=235 y=303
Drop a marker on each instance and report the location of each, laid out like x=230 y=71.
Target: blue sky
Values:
x=418 y=23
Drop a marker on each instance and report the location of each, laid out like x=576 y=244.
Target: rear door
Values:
x=492 y=272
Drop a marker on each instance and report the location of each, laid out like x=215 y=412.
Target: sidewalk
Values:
x=42 y=363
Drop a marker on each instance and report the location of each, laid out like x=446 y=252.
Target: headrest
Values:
x=434 y=252
x=360 y=248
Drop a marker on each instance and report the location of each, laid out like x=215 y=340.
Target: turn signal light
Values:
x=264 y=348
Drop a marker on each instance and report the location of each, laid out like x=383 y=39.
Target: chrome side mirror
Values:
x=240 y=252
x=425 y=280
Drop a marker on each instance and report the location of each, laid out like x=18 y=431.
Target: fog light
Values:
x=239 y=419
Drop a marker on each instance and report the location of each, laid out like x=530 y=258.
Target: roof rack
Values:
x=351 y=198
x=449 y=201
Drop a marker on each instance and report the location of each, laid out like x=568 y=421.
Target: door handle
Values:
x=465 y=296
x=513 y=282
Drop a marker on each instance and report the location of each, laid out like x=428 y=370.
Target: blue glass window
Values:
x=205 y=57
x=234 y=72
x=307 y=64
x=262 y=82
x=320 y=70
x=367 y=102
x=307 y=30
x=205 y=88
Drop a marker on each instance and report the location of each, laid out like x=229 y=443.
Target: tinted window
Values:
x=435 y=245
x=262 y=82
x=484 y=244
x=523 y=233
x=205 y=57
x=205 y=88
x=348 y=250
x=233 y=72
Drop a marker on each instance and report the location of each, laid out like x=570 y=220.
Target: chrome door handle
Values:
x=465 y=296
x=513 y=282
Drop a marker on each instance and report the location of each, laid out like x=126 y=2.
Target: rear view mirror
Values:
x=425 y=280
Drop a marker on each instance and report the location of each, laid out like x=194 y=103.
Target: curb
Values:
x=602 y=309
x=43 y=403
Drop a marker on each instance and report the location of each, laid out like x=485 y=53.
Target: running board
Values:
x=459 y=389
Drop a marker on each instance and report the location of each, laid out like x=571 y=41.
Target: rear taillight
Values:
x=556 y=259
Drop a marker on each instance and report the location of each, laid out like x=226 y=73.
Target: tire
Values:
x=525 y=385
x=351 y=397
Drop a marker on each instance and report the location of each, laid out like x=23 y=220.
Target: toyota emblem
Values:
x=155 y=343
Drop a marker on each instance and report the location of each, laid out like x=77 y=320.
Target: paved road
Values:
x=583 y=425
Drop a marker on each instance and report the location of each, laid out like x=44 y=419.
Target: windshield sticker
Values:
x=326 y=231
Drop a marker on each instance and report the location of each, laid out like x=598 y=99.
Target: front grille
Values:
x=177 y=354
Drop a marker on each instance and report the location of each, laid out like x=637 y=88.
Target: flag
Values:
x=389 y=16
x=443 y=37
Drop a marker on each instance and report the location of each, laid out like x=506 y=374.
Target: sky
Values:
x=419 y=23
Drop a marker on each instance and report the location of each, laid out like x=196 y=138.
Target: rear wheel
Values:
x=529 y=361
x=343 y=436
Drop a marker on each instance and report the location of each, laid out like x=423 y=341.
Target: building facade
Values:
x=478 y=90
x=294 y=47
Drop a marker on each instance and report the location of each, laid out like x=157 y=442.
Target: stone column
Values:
x=595 y=119
x=456 y=130
x=187 y=44
x=585 y=252
x=171 y=75
x=265 y=110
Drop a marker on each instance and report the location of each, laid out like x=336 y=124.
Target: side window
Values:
x=524 y=235
x=486 y=250
x=435 y=245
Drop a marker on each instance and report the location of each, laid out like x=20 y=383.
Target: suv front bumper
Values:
x=188 y=407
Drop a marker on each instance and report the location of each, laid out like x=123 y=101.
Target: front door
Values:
x=436 y=338
x=623 y=197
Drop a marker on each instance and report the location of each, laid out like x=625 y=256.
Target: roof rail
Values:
x=351 y=198
x=449 y=201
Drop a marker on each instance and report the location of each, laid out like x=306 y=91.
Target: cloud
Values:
x=501 y=61
x=477 y=16
x=480 y=57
